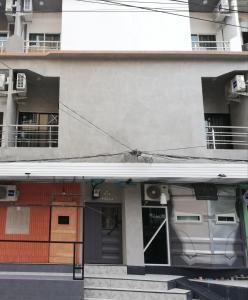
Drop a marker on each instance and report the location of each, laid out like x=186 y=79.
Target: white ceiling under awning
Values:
x=168 y=172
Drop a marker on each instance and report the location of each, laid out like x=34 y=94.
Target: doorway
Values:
x=103 y=233
x=156 y=235
x=64 y=224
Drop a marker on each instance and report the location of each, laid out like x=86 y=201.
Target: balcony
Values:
x=227 y=137
x=210 y=45
x=41 y=46
x=29 y=136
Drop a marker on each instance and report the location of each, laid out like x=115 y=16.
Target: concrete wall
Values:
x=232 y=33
x=45 y=23
x=86 y=27
x=148 y=104
x=202 y=27
x=43 y=97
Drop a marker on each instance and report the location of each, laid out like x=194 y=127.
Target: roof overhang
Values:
x=222 y=173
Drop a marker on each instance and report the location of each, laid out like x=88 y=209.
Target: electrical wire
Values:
x=169 y=13
x=96 y=126
x=186 y=157
x=65 y=158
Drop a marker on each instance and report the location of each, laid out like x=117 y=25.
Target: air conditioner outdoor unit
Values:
x=221 y=10
x=152 y=192
x=2 y=82
x=238 y=84
x=8 y=193
x=21 y=82
x=9 y=6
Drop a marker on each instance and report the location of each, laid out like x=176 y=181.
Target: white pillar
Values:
x=133 y=226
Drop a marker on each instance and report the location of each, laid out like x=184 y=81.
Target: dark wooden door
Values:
x=103 y=234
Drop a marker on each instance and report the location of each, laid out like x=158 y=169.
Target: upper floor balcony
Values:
x=29 y=113
x=204 y=45
x=34 y=46
x=24 y=135
x=41 y=46
x=226 y=137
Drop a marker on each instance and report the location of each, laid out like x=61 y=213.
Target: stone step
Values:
x=104 y=270
x=149 y=282
x=137 y=294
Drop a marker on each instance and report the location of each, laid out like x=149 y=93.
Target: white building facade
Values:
x=124 y=133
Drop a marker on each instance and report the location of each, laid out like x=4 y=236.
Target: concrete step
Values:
x=104 y=270
x=149 y=282
x=14 y=288
x=137 y=294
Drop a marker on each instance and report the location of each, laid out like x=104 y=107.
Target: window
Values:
x=203 y=42
x=63 y=220
x=225 y=219
x=188 y=218
x=3 y=36
x=44 y=41
x=17 y=220
x=42 y=132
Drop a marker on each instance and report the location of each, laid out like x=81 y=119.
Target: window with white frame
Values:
x=188 y=218
x=226 y=218
x=204 y=42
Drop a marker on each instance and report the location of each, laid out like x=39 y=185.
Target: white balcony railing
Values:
x=41 y=46
x=2 y=46
x=211 y=45
x=29 y=135
x=227 y=137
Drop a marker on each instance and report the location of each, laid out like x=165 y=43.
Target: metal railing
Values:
x=29 y=135
x=227 y=137
x=2 y=46
x=30 y=251
x=41 y=46
x=211 y=45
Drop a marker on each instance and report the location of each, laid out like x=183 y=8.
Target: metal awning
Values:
x=169 y=172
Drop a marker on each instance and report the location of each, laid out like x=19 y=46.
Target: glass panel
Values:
x=156 y=253
x=189 y=218
x=3 y=37
x=226 y=219
x=204 y=39
x=109 y=218
x=63 y=220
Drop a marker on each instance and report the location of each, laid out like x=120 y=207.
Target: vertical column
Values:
x=133 y=228
x=10 y=113
x=18 y=21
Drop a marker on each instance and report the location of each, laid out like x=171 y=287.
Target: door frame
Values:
x=96 y=206
x=156 y=232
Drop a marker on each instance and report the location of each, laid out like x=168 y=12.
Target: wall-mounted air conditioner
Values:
x=8 y=193
x=2 y=82
x=238 y=84
x=9 y=6
x=21 y=82
x=221 y=11
x=152 y=192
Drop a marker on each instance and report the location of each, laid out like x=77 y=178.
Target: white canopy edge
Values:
x=65 y=170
